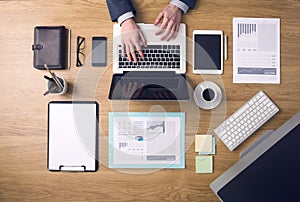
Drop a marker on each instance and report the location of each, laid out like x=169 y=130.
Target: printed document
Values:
x=256 y=50
x=146 y=140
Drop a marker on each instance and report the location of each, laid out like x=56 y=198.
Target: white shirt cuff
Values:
x=125 y=16
x=180 y=5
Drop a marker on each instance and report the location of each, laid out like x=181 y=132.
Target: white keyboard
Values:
x=246 y=120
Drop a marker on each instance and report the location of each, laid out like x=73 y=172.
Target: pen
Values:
x=69 y=48
x=54 y=78
x=48 y=78
x=225 y=47
x=57 y=81
x=51 y=89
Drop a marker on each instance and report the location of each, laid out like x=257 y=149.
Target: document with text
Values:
x=256 y=50
x=146 y=140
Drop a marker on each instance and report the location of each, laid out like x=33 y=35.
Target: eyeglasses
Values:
x=79 y=54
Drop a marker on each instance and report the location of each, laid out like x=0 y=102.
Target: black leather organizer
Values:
x=50 y=47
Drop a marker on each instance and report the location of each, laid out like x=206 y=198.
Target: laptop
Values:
x=160 y=76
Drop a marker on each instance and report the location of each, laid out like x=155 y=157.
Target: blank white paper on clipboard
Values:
x=256 y=50
x=72 y=136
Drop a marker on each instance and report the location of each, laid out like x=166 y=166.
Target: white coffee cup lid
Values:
x=198 y=95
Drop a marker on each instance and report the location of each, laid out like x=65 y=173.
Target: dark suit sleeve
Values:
x=119 y=7
x=189 y=3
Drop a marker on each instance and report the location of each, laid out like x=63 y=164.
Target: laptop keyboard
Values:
x=156 y=56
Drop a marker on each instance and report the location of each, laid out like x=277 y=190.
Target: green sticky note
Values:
x=204 y=164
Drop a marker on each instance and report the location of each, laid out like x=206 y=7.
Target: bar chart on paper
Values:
x=256 y=50
x=246 y=30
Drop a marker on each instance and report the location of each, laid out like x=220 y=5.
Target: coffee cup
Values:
x=207 y=95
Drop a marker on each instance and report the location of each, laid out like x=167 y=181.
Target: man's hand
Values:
x=171 y=16
x=131 y=35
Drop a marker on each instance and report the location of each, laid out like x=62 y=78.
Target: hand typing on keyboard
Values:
x=171 y=18
x=131 y=37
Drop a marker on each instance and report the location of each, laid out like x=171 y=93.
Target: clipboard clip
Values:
x=72 y=168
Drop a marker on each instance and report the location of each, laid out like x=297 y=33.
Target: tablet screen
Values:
x=207 y=50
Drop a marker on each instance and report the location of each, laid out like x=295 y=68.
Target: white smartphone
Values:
x=208 y=52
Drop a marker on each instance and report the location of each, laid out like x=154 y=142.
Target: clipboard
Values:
x=73 y=136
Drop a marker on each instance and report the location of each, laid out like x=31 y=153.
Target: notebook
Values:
x=51 y=47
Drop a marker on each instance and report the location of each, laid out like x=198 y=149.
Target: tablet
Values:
x=207 y=52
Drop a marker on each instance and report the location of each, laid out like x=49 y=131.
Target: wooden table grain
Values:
x=23 y=108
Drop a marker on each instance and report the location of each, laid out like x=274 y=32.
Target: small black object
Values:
x=79 y=51
x=48 y=78
x=50 y=47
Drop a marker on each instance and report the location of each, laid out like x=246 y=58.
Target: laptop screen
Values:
x=149 y=86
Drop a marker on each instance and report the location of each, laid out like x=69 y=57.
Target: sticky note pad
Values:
x=213 y=151
x=203 y=143
x=204 y=164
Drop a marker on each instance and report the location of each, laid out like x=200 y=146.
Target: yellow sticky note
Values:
x=203 y=143
x=204 y=164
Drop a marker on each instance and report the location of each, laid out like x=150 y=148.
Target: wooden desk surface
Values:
x=23 y=109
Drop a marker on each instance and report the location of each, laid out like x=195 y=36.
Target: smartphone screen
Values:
x=99 y=51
